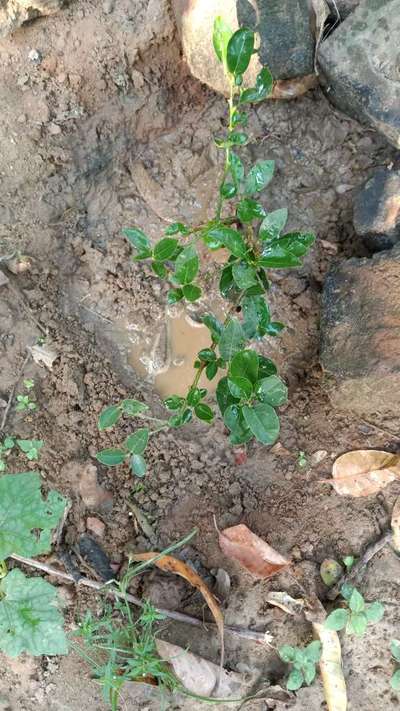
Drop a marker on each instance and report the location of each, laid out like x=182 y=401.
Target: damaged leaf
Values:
x=364 y=472
x=396 y=524
x=254 y=554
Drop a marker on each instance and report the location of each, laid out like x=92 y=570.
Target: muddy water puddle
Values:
x=165 y=357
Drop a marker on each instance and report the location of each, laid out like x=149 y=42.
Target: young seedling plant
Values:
x=249 y=389
x=25 y=402
x=356 y=615
x=303 y=662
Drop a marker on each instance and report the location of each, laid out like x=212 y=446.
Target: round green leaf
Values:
x=227 y=191
x=240 y=387
x=229 y=238
x=357 y=624
x=374 y=611
x=238 y=138
x=165 y=249
x=194 y=396
x=273 y=224
x=395 y=680
x=176 y=227
x=174 y=402
x=138 y=465
x=263 y=421
x=309 y=672
x=174 y=295
x=239 y=50
x=295 y=680
x=287 y=653
x=248 y=210
x=259 y=176
x=272 y=390
x=138 y=239
x=191 y=292
x=207 y=355
x=261 y=90
x=133 y=407
x=245 y=364
x=337 y=619
x=187 y=265
x=395 y=649
x=159 y=269
x=211 y=370
x=136 y=443
x=244 y=275
x=111 y=457
x=109 y=417
x=204 y=412
x=356 y=602
x=266 y=367
x=278 y=258
x=313 y=651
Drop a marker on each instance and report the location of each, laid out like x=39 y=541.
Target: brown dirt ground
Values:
x=109 y=129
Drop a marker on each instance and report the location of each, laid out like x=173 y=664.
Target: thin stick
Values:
x=11 y=396
x=258 y=637
x=358 y=568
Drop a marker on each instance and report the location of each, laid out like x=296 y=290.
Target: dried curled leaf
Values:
x=254 y=554
x=396 y=525
x=292 y=88
x=330 y=665
x=364 y=472
x=286 y=603
x=44 y=355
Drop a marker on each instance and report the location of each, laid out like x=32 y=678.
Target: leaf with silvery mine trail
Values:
x=259 y=176
x=26 y=519
x=136 y=443
x=254 y=554
x=111 y=457
x=221 y=36
x=232 y=339
x=262 y=88
x=29 y=618
x=273 y=224
x=364 y=472
x=272 y=390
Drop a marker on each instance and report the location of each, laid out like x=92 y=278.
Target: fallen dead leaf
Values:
x=286 y=603
x=330 y=666
x=396 y=525
x=169 y=564
x=254 y=554
x=364 y=472
x=222 y=584
x=292 y=88
x=43 y=355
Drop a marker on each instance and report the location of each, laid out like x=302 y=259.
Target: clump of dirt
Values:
x=107 y=130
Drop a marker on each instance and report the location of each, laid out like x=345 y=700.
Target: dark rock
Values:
x=285 y=37
x=360 y=333
x=376 y=215
x=359 y=66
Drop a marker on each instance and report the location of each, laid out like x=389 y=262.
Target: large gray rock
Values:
x=286 y=39
x=359 y=64
x=360 y=334
x=376 y=214
x=13 y=13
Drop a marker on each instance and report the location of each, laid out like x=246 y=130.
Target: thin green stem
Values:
x=232 y=110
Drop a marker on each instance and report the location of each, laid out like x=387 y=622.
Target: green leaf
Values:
x=287 y=653
x=263 y=421
x=136 y=443
x=111 y=457
x=256 y=316
x=248 y=210
x=109 y=417
x=348 y=560
x=374 y=611
x=187 y=265
x=346 y=591
x=29 y=618
x=244 y=275
x=133 y=407
x=174 y=402
x=176 y=227
x=204 y=412
x=179 y=420
x=139 y=241
x=138 y=465
x=278 y=258
x=211 y=370
x=266 y=367
x=227 y=285
x=194 y=396
x=26 y=520
x=239 y=117
x=395 y=680
x=165 y=249
x=239 y=50
x=261 y=90
x=231 y=239
x=191 y=292
x=240 y=387
x=232 y=339
x=273 y=224
x=214 y=326
x=259 y=176
x=357 y=624
x=274 y=328
x=356 y=602
x=174 y=295
x=221 y=36
x=228 y=191
x=295 y=243
x=207 y=355
x=295 y=680
x=313 y=652
x=395 y=649
x=8 y=443
x=245 y=364
x=272 y=390
x=234 y=421
x=337 y=619
x=27 y=445
x=224 y=396
x=159 y=269
x=236 y=168
x=309 y=672
x=237 y=138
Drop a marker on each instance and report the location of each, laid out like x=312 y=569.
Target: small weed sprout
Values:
x=303 y=662
x=24 y=403
x=30 y=447
x=395 y=650
x=356 y=615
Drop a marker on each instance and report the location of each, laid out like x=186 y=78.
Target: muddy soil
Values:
x=108 y=129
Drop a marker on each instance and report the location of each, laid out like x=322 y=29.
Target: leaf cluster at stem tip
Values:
x=248 y=389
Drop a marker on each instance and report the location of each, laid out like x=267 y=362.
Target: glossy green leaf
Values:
x=295 y=680
x=239 y=117
x=272 y=390
x=356 y=602
x=259 y=176
x=204 y=412
x=191 y=292
x=139 y=240
x=229 y=238
x=111 y=457
x=287 y=653
x=228 y=191
x=295 y=243
x=261 y=90
x=109 y=417
x=274 y=328
x=159 y=269
x=174 y=295
x=214 y=326
x=248 y=210
x=133 y=407
x=237 y=138
x=240 y=387
x=211 y=370
x=221 y=36
x=29 y=618
x=138 y=465
x=234 y=421
x=395 y=680
x=244 y=275
x=374 y=611
x=266 y=367
x=278 y=258
x=174 y=402
x=176 y=227
x=180 y=420
x=232 y=339
x=273 y=224
x=165 y=249
x=187 y=265
x=207 y=355
x=337 y=619
x=136 y=442
x=263 y=421
x=357 y=624
x=236 y=168
x=313 y=651
x=194 y=396
x=227 y=284
x=245 y=364
x=256 y=316
x=239 y=50
x=346 y=591
x=395 y=649
x=224 y=395
x=27 y=520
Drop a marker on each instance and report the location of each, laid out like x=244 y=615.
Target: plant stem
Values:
x=227 y=149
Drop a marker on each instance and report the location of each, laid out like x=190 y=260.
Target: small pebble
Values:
x=35 y=56
x=54 y=129
x=95 y=526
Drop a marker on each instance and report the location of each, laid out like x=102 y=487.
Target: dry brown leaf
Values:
x=43 y=355
x=364 y=472
x=330 y=666
x=286 y=603
x=241 y=544
x=292 y=88
x=172 y=565
x=396 y=525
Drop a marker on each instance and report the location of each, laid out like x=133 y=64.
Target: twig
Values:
x=358 y=568
x=143 y=523
x=252 y=635
x=10 y=398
